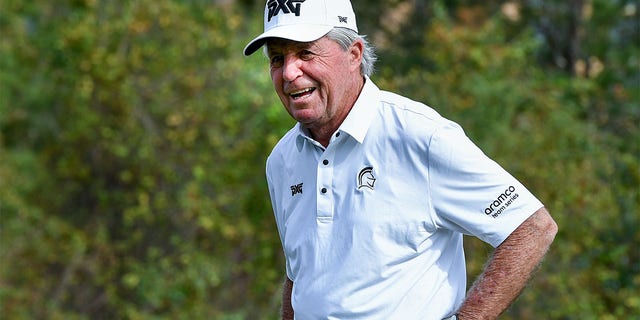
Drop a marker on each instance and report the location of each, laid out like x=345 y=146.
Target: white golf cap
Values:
x=303 y=20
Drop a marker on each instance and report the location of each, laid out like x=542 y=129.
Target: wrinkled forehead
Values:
x=285 y=45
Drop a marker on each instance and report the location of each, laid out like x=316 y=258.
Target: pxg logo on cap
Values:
x=286 y=6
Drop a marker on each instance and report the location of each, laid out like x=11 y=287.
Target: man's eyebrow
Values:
x=278 y=46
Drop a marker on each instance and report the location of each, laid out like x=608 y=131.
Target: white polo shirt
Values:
x=372 y=225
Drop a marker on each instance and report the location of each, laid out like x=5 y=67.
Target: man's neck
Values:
x=323 y=134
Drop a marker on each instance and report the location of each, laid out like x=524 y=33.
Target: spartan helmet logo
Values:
x=366 y=178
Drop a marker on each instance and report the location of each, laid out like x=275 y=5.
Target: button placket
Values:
x=324 y=184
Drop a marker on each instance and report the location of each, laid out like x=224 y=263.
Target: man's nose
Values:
x=291 y=68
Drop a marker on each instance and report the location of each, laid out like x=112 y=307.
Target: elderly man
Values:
x=372 y=192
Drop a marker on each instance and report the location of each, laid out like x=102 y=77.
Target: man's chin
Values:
x=304 y=116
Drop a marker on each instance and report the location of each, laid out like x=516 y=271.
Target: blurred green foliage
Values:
x=133 y=136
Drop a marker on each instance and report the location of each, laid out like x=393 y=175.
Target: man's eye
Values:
x=276 y=61
x=306 y=55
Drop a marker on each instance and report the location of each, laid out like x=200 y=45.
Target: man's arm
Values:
x=510 y=268
x=287 y=309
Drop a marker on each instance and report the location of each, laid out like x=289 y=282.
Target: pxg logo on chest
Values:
x=287 y=6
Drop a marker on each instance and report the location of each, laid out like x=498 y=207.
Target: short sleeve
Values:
x=471 y=193
x=275 y=204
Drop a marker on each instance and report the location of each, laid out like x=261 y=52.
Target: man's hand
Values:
x=510 y=268
x=287 y=309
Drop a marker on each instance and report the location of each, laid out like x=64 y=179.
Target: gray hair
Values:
x=346 y=37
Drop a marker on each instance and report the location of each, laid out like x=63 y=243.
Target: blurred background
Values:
x=133 y=136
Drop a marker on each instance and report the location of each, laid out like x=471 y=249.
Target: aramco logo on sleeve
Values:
x=502 y=202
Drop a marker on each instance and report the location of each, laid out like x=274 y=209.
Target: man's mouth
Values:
x=301 y=93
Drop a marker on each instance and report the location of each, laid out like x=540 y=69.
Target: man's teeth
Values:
x=300 y=92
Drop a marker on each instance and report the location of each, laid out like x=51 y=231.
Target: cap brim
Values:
x=295 y=32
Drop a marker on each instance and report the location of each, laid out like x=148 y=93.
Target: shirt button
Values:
x=337 y=134
x=323 y=190
x=325 y=162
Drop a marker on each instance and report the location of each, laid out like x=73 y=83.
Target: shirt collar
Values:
x=357 y=121
x=364 y=110
x=302 y=135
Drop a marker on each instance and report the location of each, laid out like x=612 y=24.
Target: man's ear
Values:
x=356 y=50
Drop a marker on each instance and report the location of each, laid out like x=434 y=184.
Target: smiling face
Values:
x=318 y=82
